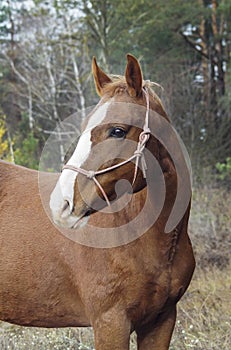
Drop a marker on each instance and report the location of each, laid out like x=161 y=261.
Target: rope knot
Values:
x=144 y=135
x=90 y=174
x=146 y=131
x=138 y=153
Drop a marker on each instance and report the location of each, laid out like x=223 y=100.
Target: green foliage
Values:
x=4 y=141
x=23 y=149
x=224 y=170
x=26 y=153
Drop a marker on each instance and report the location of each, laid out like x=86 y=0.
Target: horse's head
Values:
x=109 y=149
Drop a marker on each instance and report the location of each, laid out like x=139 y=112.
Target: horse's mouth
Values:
x=82 y=220
x=72 y=221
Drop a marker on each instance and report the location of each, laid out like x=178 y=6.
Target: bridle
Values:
x=137 y=155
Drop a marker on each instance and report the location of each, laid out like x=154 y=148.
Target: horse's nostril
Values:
x=66 y=209
x=88 y=212
x=66 y=205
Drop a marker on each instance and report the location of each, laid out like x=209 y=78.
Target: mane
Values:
x=118 y=85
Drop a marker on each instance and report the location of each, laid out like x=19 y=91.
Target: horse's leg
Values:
x=159 y=336
x=112 y=331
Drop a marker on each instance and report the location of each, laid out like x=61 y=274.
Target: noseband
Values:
x=137 y=155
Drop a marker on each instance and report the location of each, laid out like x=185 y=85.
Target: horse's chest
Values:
x=140 y=293
x=148 y=296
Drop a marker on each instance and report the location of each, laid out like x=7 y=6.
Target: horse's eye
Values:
x=118 y=133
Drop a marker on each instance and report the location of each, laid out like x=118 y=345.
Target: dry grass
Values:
x=203 y=321
x=204 y=313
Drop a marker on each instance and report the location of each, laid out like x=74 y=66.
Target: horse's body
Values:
x=49 y=280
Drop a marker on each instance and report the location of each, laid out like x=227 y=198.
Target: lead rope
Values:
x=138 y=155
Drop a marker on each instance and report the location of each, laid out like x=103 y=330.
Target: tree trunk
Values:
x=218 y=33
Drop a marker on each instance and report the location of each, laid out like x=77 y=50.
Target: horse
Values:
x=104 y=243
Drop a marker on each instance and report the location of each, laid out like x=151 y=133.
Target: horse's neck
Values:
x=145 y=206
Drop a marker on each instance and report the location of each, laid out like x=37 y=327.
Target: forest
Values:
x=185 y=46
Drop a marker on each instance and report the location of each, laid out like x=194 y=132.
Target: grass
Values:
x=204 y=313
x=203 y=321
x=24 y=338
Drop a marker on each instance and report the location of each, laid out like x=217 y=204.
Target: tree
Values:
x=50 y=74
x=185 y=46
x=210 y=38
x=9 y=24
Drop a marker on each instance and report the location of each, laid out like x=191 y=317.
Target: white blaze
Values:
x=64 y=189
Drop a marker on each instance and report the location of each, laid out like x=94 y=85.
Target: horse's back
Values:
x=20 y=197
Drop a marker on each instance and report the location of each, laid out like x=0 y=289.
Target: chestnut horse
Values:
x=123 y=258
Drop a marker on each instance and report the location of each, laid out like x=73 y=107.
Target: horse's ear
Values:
x=133 y=75
x=100 y=78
